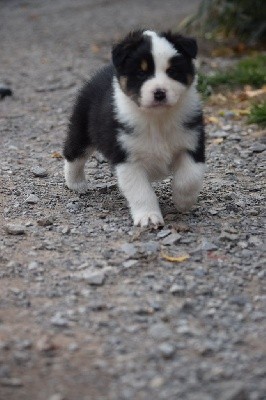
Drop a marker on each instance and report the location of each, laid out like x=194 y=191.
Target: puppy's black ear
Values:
x=186 y=45
x=121 y=50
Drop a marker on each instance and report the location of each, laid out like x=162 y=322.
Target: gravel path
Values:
x=90 y=306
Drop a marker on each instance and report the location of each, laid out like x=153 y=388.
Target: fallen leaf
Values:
x=95 y=48
x=56 y=154
x=182 y=258
x=212 y=120
x=239 y=112
x=218 y=140
x=223 y=51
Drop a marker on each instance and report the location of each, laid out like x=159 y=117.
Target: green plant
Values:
x=244 y=19
x=249 y=71
x=258 y=114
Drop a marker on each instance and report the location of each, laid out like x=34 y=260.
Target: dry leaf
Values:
x=223 y=52
x=218 y=140
x=211 y=120
x=95 y=48
x=56 y=154
x=182 y=258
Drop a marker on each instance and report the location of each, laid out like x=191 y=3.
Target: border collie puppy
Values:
x=143 y=113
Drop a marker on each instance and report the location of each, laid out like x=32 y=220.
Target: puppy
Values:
x=143 y=113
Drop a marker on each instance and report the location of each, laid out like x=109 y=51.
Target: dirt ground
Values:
x=90 y=308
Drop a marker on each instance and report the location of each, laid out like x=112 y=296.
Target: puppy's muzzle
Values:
x=159 y=95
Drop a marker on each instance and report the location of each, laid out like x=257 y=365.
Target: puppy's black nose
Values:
x=159 y=95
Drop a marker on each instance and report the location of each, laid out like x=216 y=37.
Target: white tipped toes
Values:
x=148 y=218
x=80 y=187
x=75 y=176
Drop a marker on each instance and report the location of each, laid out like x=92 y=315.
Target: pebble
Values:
x=233 y=391
x=39 y=172
x=12 y=382
x=160 y=331
x=167 y=350
x=163 y=233
x=258 y=147
x=59 y=320
x=96 y=278
x=15 y=229
x=129 y=263
x=218 y=134
x=171 y=239
x=208 y=246
x=32 y=199
x=178 y=290
x=56 y=396
x=33 y=265
x=129 y=249
x=46 y=221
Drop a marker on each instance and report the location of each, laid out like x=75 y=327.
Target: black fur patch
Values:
x=128 y=57
x=185 y=45
x=93 y=123
x=196 y=124
x=181 y=69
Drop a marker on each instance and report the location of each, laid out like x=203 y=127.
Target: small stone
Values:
x=240 y=301
x=56 y=396
x=171 y=239
x=12 y=382
x=45 y=343
x=46 y=221
x=33 y=265
x=258 y=147
x=156 y=382
x=229 y=236
x=65 y=230
x=5 y=91
x=129 y=249
x=39 y=172
x=177 y=290
x=96 y=278
x=160 y=331
x=32 y=199
x=15 y=229
x=58 y=320
x=163 y=233
x=208 y=246
x=167 y=350
x=73 y=347
x=150 y=247
x=233 y=391
x=218 y=134
x=129 y=263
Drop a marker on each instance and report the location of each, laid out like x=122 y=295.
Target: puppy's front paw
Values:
x=148 y=218
x=80 y=187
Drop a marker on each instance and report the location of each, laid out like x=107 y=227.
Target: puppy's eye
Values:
x=172 y=70
x=143 y=69
x=140 y=73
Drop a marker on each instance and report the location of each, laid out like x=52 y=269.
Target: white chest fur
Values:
x=156 y=137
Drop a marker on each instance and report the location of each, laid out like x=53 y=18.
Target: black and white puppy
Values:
x=143 y=113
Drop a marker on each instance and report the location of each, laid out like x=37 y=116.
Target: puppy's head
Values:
x=155 y=70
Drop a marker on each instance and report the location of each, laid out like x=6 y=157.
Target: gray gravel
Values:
x=90 y=308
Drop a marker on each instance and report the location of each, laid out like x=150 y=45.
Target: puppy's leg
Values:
x=187 y=181
x=134 y=184
x=75 y=175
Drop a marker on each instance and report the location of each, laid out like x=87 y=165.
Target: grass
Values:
x=249 y=71
x=243 y=20
x=258 y=114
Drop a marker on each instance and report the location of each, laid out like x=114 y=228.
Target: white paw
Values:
x=148 y=218
x=80 y=187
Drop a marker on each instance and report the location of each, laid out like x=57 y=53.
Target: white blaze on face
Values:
x=162 y=52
